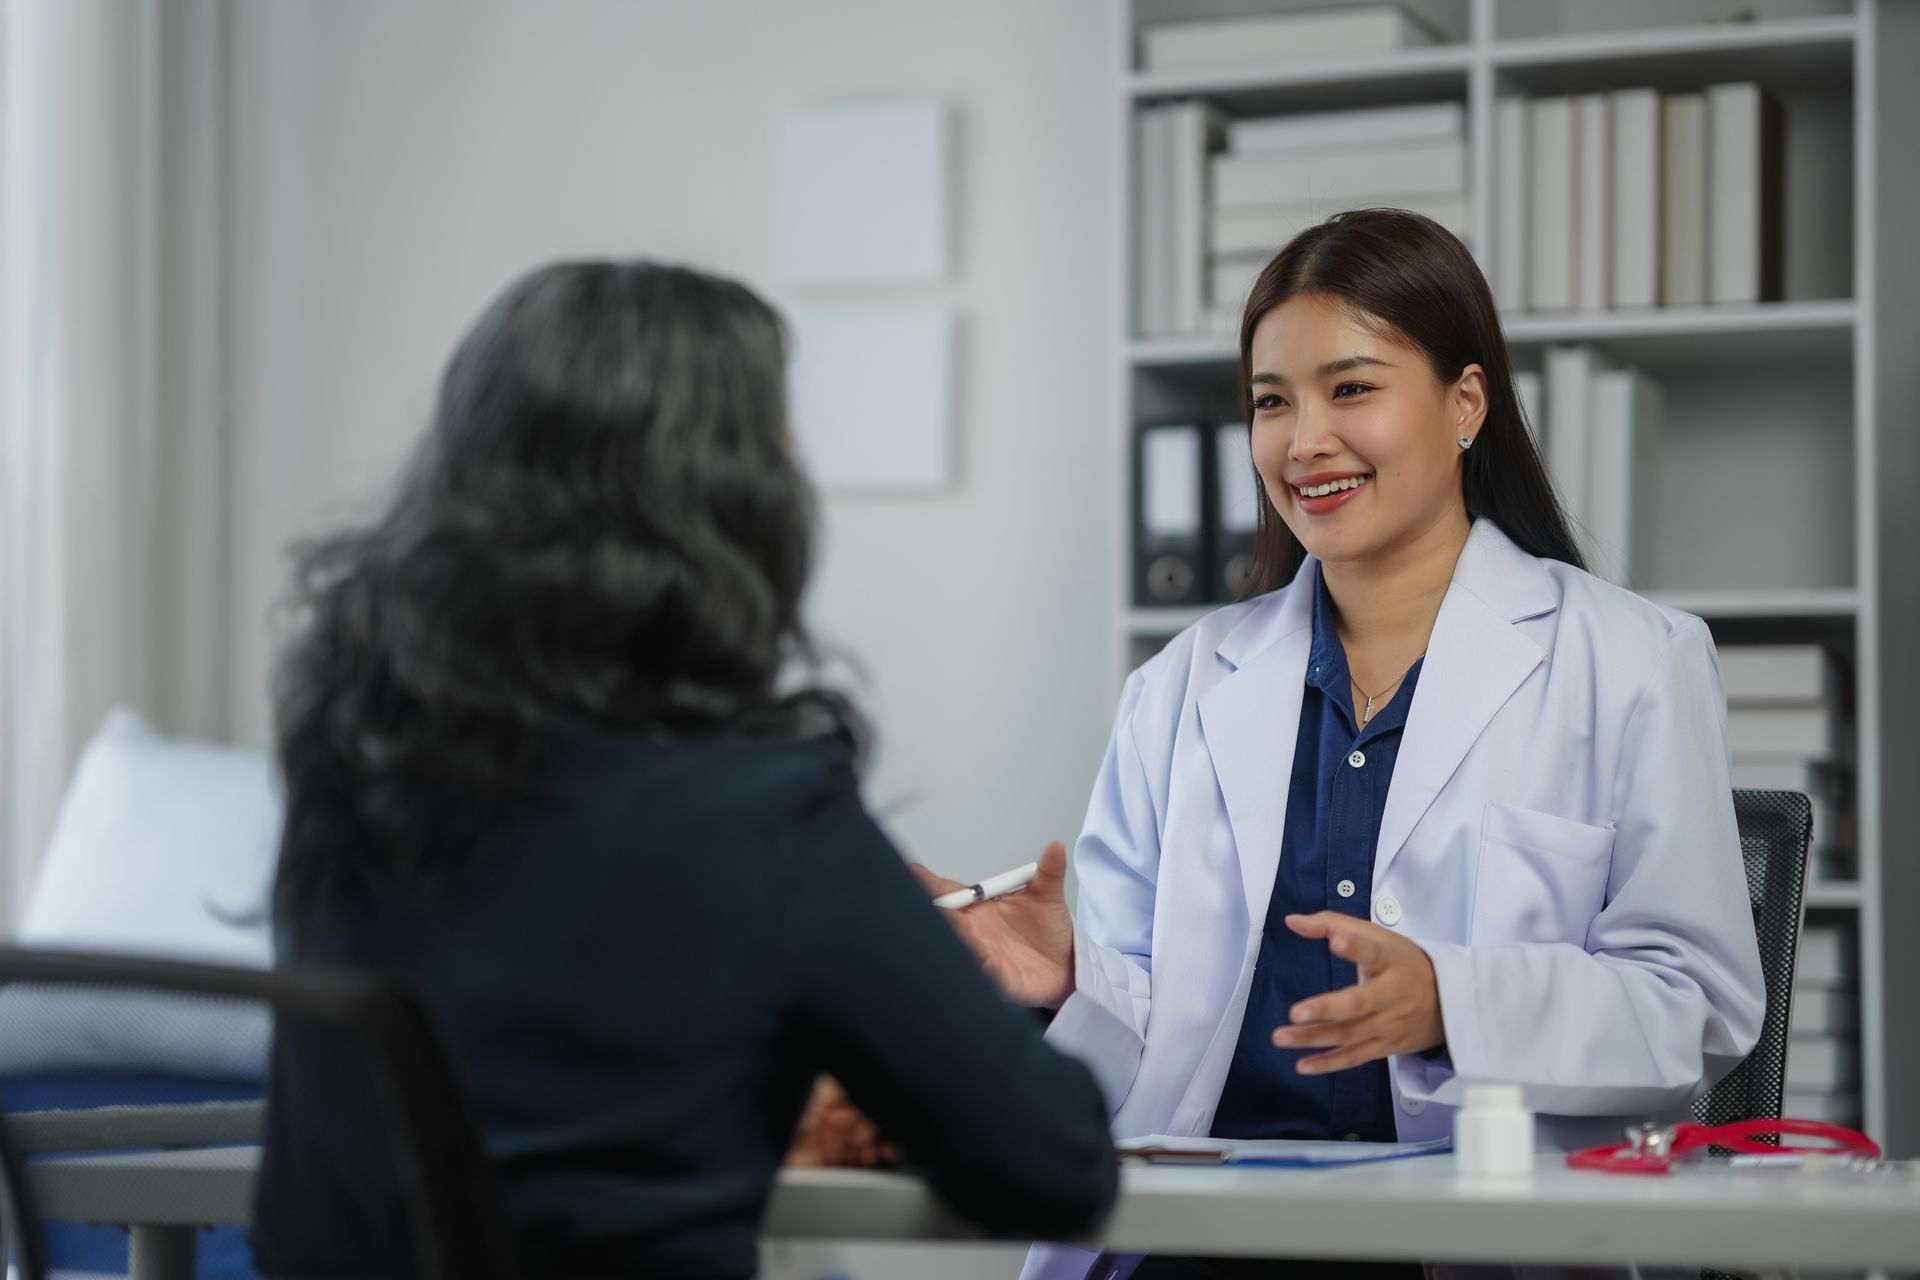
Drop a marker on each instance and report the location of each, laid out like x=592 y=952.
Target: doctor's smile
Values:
x=1327 y=491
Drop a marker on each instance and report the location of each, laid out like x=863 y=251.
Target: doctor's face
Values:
x=1355 y=439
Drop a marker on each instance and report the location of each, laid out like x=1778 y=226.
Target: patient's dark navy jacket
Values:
x=640 y=980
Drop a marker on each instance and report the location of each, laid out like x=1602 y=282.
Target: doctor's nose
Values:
x=1311 y=439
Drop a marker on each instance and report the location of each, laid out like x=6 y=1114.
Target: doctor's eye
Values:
x=1268 y=402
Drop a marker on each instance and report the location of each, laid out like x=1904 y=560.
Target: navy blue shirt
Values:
x=1339 y=791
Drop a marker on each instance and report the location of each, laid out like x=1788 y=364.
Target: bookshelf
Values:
x=1784 y=492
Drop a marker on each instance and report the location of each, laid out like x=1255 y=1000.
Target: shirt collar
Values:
x=1327 y=659
x=1327 y=668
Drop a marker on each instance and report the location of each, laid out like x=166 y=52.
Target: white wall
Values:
x=395 y=163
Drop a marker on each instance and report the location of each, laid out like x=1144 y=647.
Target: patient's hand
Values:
x=834 y=1132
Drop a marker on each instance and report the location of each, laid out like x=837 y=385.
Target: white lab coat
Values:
x=1558 y=837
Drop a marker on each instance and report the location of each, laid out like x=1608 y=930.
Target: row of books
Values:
x=1637 y=199
x=1823 y=1062
x=1280 y=39
x=1598 y=428
x=1216 y=198
x=1196 y=504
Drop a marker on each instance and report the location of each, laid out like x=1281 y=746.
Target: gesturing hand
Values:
x=1394 y=1008
x=1025 y=940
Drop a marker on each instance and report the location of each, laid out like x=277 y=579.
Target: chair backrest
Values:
x=1775 y=829
x=454 y=1210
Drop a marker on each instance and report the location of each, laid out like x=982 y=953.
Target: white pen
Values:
x=992 y=887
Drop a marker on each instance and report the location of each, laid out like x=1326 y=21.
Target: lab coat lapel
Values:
x=1251 y=720
x=1476 y=660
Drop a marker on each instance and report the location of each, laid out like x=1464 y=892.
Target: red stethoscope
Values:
x=1657 y=1148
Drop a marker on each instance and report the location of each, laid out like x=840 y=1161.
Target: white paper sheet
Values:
x=860 y=192
x=873 y=394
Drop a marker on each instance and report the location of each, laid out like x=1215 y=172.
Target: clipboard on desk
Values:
x=1274 y=1153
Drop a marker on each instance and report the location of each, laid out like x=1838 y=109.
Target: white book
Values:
x=1683 y=201
x=1823 y=784
x=1526 y=385
x=1825 y=958
x=1196 y=131
x=1221 y=320
x=1230 y=277
x=1811 y=733
x=1510 y=206
x=1345 y=177
x=1743 y=196
x=1634 y=252
x=1778 y=674
x=1821 y=1062
x=1287 y=38
x=1809 y=777
x=1322 y=129
x=1829 y=1105
x=1553 y=222
x=1153 y=311
x=1594 y=202
x=1623 y=439
x=1823 y=1011
x=1569 y=383
x=1265 y=228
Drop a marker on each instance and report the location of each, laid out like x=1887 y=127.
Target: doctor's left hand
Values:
x=1394 y=1008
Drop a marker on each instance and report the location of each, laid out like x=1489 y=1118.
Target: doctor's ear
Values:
x=1467 y=402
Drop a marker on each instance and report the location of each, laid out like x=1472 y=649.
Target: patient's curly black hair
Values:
x=603 y=529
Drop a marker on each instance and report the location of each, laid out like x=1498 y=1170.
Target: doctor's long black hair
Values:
x=1411 y=275
x=603 y=529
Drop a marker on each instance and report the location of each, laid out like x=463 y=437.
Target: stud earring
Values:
x=1466 y=442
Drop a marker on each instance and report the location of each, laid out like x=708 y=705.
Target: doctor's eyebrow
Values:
x=1264 y=379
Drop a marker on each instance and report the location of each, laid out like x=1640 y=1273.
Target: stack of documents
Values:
x=1279 y=175
x=1207 y=220
x=1787 y=726
x=1281 y=39
x=1275 y=1153
x=1823 y=1067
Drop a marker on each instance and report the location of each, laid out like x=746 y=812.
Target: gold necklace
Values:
x=1367 y=715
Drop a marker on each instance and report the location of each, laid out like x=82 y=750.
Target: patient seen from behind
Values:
x=557 y=758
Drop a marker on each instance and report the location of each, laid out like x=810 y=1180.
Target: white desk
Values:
x=1399 y=1210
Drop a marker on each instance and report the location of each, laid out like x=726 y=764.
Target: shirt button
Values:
x=1387 y=911
x=1344 y=888
x=1357 y=759
x=1412 y=1106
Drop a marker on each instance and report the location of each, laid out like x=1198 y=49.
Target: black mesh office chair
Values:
x=453 y=1207
x=1775 y=830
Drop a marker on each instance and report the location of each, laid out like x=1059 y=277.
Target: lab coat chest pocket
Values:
x=1541 y=878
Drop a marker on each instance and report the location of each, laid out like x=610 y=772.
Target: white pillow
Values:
x=162 y=848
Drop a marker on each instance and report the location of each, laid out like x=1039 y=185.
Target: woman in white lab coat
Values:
x=1433 y=805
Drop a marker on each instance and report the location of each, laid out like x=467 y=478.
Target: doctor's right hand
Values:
x=1025 y=940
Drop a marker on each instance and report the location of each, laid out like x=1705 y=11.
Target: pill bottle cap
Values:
x=1493 y=1097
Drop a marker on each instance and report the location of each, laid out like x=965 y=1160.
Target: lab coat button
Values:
x=1357 y=759
x=1387 y=911
x=1344 y=888
x=1412 y=1106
